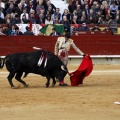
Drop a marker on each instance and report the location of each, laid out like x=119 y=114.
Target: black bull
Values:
x=20 y=63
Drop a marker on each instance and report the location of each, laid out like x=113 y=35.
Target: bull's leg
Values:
x=54 y=82
x=48 y=81
x=18 y=78
x=10 y=77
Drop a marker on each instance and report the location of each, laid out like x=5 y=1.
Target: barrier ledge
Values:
x=2 y=56
x=97 y=59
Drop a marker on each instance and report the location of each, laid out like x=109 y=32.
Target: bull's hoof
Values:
x=26 y=85
x=47 y=85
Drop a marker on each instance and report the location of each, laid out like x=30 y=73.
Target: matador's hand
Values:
x=84 y=55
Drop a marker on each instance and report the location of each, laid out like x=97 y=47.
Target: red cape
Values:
x=83 y=70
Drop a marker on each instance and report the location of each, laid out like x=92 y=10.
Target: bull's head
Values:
x=62 y=73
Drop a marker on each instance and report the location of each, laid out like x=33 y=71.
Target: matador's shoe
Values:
x=64 y=84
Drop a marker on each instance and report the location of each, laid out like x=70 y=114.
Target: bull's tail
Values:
x=2 y=62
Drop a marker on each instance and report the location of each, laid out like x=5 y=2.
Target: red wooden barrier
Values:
x=90 y=44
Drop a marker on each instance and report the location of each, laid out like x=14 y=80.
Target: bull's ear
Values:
x=63 y=68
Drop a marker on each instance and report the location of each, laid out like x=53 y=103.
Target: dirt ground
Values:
x=94 y=100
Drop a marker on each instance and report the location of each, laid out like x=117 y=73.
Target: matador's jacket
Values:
x=62 y=48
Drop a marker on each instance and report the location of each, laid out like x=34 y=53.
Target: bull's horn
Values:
x=62 y=67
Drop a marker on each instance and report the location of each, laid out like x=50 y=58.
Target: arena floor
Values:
x=94 y=100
